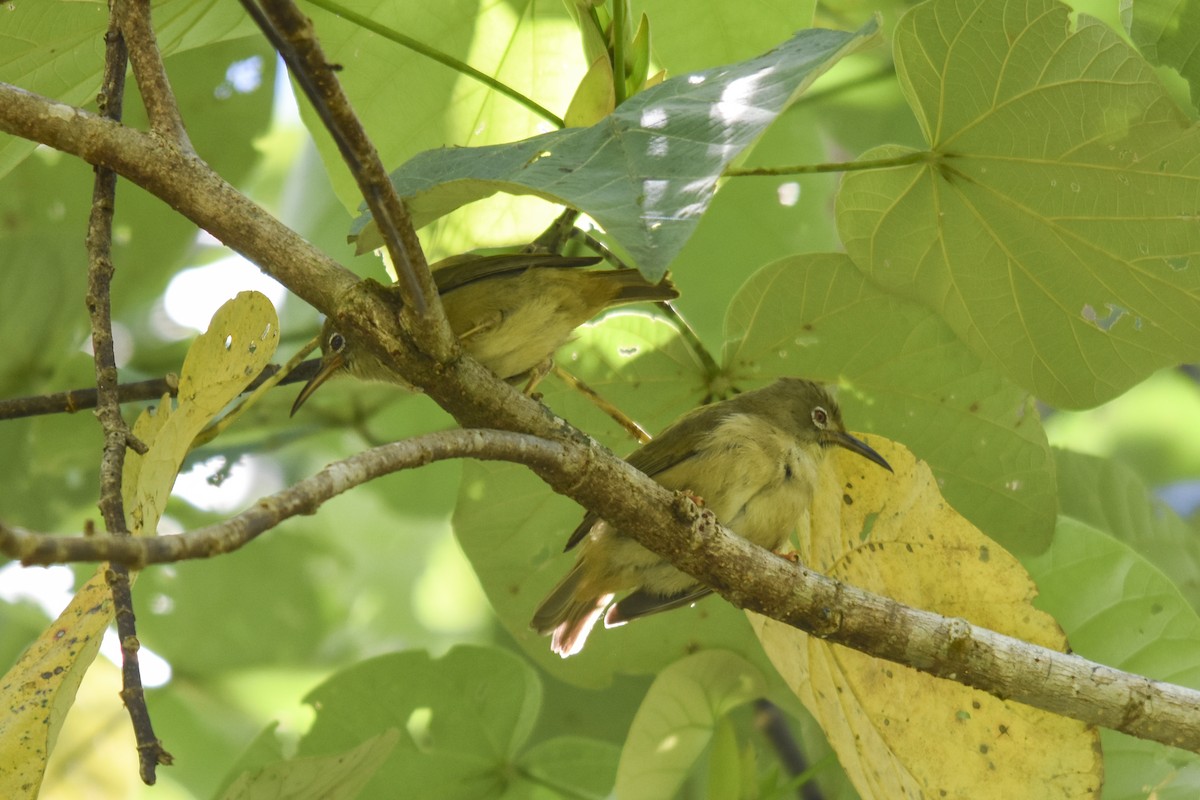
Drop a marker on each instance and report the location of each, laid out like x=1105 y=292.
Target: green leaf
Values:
x=57 y=49
x=1110 y=496
x=1054 y=224
x=1118 y=609
x=595 y=98
x=904 y=375
x=678 y=718
x=409 y=103
x=37 y=327
x=638 y=55
x=334 y=777
x=288 y=623
x=263 y=750
x=648 y=171
x=699 y=33
x=725 y=776
x=1166 y=31
x=578 y=768
x=464 y=721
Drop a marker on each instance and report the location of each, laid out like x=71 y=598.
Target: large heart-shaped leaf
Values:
x=1054 y=222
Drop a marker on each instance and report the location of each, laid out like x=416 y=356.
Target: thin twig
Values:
x=631 y=427
x=117 y=436
x=918 y=157
x=80 y=399
x=153 y=85
x=686 y=331
x=305 y=497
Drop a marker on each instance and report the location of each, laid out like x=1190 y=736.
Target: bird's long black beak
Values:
x=854 y=445
x=330 y=364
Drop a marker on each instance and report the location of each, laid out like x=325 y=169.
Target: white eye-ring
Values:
x=337 y=342
x=820 y=418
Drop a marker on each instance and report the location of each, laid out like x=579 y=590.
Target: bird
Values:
x=752 y=460
x=510 y=311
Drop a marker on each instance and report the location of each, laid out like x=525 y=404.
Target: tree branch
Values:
x=304 y=497
x=690 y=538
x=292 y=35
x=117 y=435
x=73 y=400
x=743 y=573
x=151 y=74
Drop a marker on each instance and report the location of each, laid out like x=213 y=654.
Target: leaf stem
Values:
x=919 y=157
x=618 y=51
x=711 y=368
x=441 y=58
x=884 y=72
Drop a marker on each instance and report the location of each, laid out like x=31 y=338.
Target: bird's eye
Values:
x=337 y=342
x=820 y=417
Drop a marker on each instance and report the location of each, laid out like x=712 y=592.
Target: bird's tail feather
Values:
x=636 y=289
x=568 y=615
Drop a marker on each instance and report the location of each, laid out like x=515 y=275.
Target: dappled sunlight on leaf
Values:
x=647 y=172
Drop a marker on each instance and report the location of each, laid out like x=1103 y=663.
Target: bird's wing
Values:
x=641 y=603
x=451 y=273
x=661 y=454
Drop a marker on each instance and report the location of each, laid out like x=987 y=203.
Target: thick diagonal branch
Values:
x=743 y=573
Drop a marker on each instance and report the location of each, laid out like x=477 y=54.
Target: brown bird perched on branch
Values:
x=510 y=311
x=752 y=459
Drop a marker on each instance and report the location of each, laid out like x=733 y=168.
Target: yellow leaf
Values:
x=95 y=756
x=222 y=361
x=594 y=98
x=146 y=428
x=38 y=691
x=899 y=732
x=40 y=688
